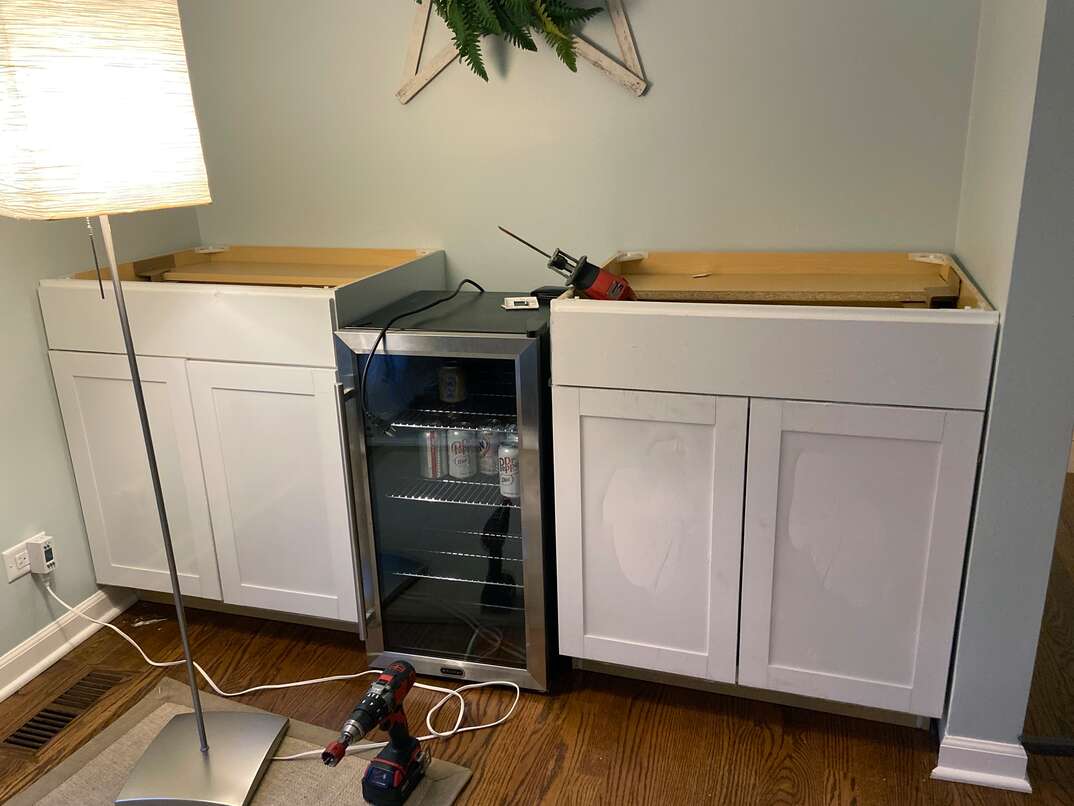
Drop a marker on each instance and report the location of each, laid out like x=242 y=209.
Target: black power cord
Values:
x=393 y=320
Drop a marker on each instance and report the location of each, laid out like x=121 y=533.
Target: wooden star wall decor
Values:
x=626 y=70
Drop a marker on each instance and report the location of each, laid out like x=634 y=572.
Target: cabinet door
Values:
x=112 y=471
x=270 y=447
x=648 y=528
x=855 y=530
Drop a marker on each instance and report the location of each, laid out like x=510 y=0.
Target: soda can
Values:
x=452 y=384
x=462 y=453
x=510 y=477
x=434 y=457
x=488 y=446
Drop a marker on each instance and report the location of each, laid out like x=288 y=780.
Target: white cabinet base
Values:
x=757 y=694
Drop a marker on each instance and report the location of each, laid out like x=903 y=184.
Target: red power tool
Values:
x=589 y=279
x=399 y=767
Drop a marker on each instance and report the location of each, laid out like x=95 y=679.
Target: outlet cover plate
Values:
x=16 y=562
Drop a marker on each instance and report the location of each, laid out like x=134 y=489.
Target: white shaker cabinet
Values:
x=648 y=523
x=270 y=448
x=238 y=360
x=811 y=420
x=855 y=531
x=112 y=470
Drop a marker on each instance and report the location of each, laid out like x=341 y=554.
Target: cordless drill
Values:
x=399 y=767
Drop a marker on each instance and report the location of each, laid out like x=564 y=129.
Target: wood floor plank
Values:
x=1051 y=706
x=599 y=739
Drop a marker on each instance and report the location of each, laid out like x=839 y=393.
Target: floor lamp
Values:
x=96 y=118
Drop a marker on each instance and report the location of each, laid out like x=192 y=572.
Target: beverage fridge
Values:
x=449 y=447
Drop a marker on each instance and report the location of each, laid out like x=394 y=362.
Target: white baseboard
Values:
x=42 y=649
x=1000 y=765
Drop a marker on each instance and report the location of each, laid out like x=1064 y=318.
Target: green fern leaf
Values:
x=515 y=32
x=564 y=48
x=550 y=27
x=485 y=12
x=515 y=21
x=568 y=16
x=467 y=39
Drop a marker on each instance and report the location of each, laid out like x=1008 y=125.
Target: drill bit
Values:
x=522 y=240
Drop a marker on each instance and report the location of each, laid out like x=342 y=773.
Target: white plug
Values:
x=42 y=556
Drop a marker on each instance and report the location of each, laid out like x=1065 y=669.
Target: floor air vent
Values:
x=89 y=689
x=46 y=724
x=40 y=729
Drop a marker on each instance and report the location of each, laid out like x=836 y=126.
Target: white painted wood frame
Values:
x=649 y=493
x=112 y=471
x=855 y=532
x=269 y=440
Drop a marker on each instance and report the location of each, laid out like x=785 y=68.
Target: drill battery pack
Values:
x=392 y=775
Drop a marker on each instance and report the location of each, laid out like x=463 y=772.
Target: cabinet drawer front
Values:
x=931 y=358
x=648 y=514
x=216 y=323
x=855 y=530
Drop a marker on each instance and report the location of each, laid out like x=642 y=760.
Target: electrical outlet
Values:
x=17 y=562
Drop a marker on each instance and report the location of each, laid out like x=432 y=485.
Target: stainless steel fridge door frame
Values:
x=525 y=352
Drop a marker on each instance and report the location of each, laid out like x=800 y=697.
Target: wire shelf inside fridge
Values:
x=415 y=575
x=474 y=414
x=434 y=533
x=453 y=491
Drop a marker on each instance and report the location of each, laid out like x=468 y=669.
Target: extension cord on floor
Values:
x=357 y=748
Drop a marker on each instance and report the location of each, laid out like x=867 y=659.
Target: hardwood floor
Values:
x=599 y=739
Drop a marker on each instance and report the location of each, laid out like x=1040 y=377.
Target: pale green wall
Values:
x=1004 y=89
x=770 y=124
x=37 y=487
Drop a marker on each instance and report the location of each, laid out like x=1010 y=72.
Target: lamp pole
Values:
x=143 y=416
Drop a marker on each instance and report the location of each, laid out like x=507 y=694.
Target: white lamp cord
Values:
x=357 y=748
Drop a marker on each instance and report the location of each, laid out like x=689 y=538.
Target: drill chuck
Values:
x=352 y=729
x=333 y=753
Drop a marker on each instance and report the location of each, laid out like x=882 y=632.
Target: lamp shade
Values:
x=96 y=115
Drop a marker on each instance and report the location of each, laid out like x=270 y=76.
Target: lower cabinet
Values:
x=648 y=522
x=112 y=471
x=855 y=531
x=251 y=468
x=850 y=541
x=270 y=448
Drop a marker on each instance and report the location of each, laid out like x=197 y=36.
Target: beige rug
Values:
x=95 y=774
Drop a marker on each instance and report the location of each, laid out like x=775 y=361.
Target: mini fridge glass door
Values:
x=450 y=428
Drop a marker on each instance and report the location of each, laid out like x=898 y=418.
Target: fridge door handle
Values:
x=361 y=565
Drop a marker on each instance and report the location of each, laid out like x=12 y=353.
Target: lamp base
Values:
x=174 y=772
